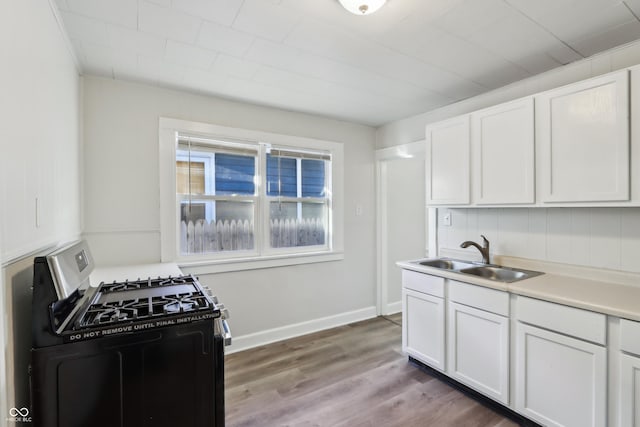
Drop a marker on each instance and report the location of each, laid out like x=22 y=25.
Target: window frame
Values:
x=263 y=255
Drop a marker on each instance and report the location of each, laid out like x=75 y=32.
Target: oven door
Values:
x=162 y=378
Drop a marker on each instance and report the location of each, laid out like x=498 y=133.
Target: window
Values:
x=216 y=194
x=242 y=196
x=297 y=191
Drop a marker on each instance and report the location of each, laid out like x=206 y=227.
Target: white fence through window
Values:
x=217 y=236
x=286 y=233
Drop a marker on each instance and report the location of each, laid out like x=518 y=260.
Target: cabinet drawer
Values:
x=479 y=297
x=630 y=336
x=576 y=322
x=425 y=283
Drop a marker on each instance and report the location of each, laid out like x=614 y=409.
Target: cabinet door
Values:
x=560 y=381
x=503 y=153
x=478 y=350
x=629 y=391
x=447 y=162
x=583 y=137
x=423 y=327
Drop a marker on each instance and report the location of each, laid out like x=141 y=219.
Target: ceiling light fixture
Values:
x=362 y=7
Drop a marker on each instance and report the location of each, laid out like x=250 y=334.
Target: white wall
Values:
x=603 y=237
x=404 y=219
x=121 y=200
x=39 y=136
x=39 y=158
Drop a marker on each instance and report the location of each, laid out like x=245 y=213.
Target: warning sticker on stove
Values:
x=75 y=336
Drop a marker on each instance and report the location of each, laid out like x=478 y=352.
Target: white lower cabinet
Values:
x=629 y=379
x=560 y=380
x=423 y=318
x=557 y=354
x=629 y=391
x=479 y=350
x=478 y=339
x=423 y=332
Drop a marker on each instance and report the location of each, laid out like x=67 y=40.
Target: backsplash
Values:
x=592 y=237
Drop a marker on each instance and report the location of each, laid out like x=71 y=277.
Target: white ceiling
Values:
x=313 y=56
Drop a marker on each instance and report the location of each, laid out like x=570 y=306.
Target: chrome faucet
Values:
x=484 y=249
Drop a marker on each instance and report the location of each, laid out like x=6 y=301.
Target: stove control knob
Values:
x=224 y=312
x=210 y=293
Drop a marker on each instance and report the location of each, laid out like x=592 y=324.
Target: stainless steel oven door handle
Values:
x=222 y=329
x=226 y=333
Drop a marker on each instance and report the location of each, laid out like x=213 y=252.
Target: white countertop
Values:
x=601 y=296
x=133 y=272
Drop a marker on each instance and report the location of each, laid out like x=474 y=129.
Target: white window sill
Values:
x=255 y=263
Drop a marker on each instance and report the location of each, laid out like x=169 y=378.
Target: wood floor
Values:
x=354 y=375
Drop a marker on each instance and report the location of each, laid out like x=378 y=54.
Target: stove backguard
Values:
x=70 y=268
x=48 y=313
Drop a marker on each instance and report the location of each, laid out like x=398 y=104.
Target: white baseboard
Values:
x=394 y=307
x=278 y=334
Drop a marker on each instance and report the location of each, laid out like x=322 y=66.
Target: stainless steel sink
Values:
x=493 y=272
x=446 y=264
x=500 y=274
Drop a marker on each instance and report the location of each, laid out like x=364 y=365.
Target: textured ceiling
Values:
x=313 y=56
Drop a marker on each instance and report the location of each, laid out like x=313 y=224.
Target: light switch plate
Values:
x=446 y=219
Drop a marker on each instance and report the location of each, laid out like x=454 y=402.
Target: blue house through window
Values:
x=234 y=174
x=313 y=178
x=282 y=177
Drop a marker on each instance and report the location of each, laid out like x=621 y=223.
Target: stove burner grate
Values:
x=144 y=284
x=143 y=309
x=140 y=300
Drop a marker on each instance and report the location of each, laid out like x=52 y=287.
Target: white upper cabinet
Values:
x=570 y=146
x=583 y=139
x=447 y=162
x=503 y=153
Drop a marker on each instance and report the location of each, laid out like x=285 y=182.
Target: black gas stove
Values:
x=131 y=353
x=138 y=305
